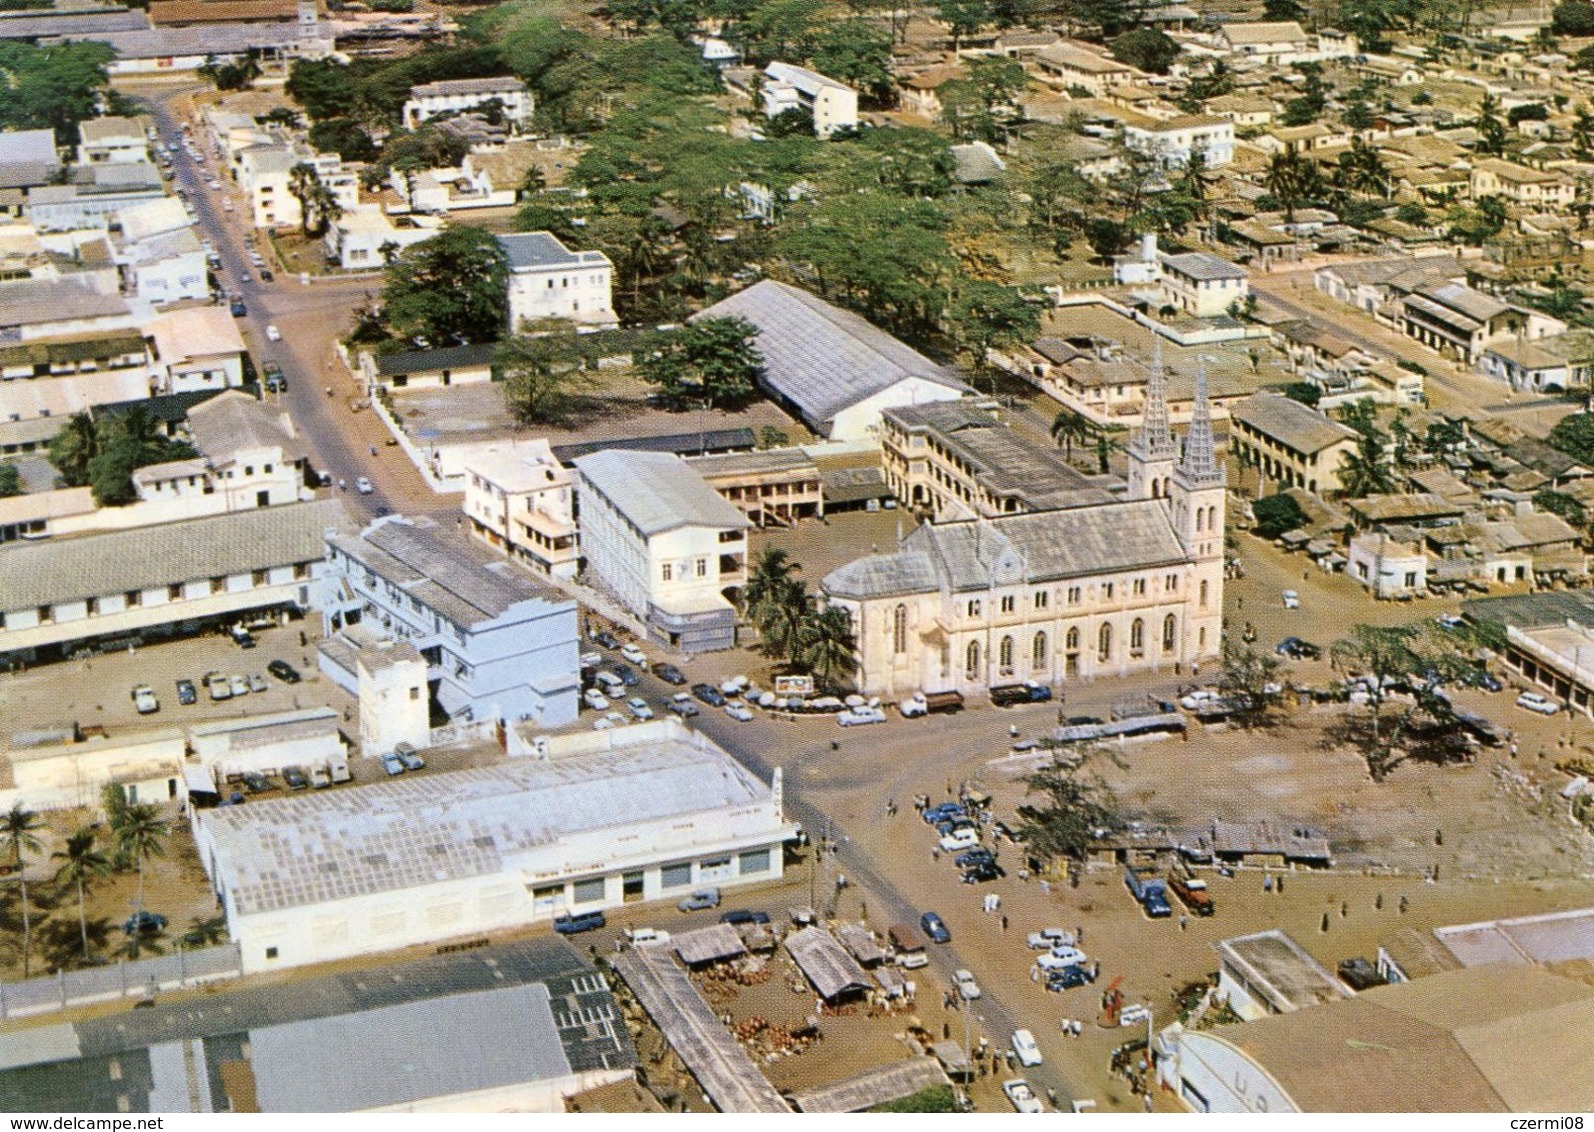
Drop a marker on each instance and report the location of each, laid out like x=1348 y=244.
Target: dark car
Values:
x=606 y=639
x=627 y=675
x=238 y=309
x=935 y=928
x=946 y=811
x=1085 y=721
x=144 y=923
x=1029 y=692
x=1489 y=682
x=186 y=692
x=1297 y=649
x=1358 y=974
x=256 y=782
x=982 y=872
x=980 y=856
x=296 y=778
x=1069 y=977
x=266 y=276
x=669 y=674
x=575 y=924
x=744 y=916
x=283 y=671
x=709 y=694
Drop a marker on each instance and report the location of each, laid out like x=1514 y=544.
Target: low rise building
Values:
x=774 y=487
x=1290 y=443
x=112 y=140
x=1269 y=973
x=549 y=281
x=1521 y=185
x=195 y=349
x=1275 y=44
x=521 y=500
x=92 y=196
x=365 y=238
x=665 y=544
x=833 y=105
x=1460 y=323
x=454 y=96
x=1389 y=568
x=1202 y=284
x=586 y=822
x=428 y=369
x=390 y=683
x=1377 y=286
x=497 y=644
x=1174 y=141
x=1069 y=65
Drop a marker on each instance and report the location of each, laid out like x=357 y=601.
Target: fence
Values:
x=138 y=978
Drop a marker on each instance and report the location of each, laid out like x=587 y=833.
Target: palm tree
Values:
x=1068 y=427
x=827 y=646
x=1292 y=180
x=1365 y=471
x=81 y=862
x=302 y=183
x=1361 y=170
x=325 y=206
x=140 y=834
x=19 y=835
x=782 y=624
x=772 y=571
x=203 y=932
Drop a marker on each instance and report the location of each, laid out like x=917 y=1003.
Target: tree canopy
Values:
x=711 y=361
x=54 y=88
x=451 y=289
x=1072 y=811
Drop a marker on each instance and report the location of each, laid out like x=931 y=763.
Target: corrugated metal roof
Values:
x=657 y=491
x=1293 y=424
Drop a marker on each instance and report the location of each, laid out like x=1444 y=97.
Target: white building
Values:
x=1202 y=284
x=1173 y=141
x=194 y=349
x=265 y=174
x=1387 y=567
x=1071 y=65
x=520 y=499
x=665 y=543
x=548 y=280
x=160 y=255
x=112 y=141
x=589 y=821
x=1276 y=44
x=363 y=238
x=455 y=96
x=834 y=105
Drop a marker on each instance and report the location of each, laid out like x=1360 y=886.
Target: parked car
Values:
x=959 y=839
x=1023 y=1097
x=1360 y=975
x=605 y=639
x=640 y=937
x=238 y=685
x=272 y=333
x=255 y=782
x=595 y=699
x=635 y=655
x=1489 y=682
x=669 y=674
x=1538 y=702
x=701 y=900
x=1200 y=698
x=144 y=923
x=266 y=276
x=257 y=682
x=739 y=712
x=391 y=764
x=1059 y=957
x=944 y=812
x=576 y=923
x=283 y=671
x=241 y=637
x=144 y=700
x=735 y=686
x=238 y=309
x=320 y=778
x=1029 y=692
x=218 y=686
x=935 y=928
x=186 y=694
x=626 y=675
x=744 y=916
x=963 y=980
x=639 y=708
x=857 y=717
x=681 y=704
x=406 y=755
x=982 y=872
x=1292 y=600
x=709 y=694
x=1297 y=649
x=1048 y=938
x=363 y=486
x=978 y=856
x=1069 y=977
x=1025 y=1049
x=296 y=778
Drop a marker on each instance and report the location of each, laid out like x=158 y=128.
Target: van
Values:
x=610 y=684
x=909 y=946
x=320 y=777
x=338 y=767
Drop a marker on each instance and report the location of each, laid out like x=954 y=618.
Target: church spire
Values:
x=1199 y=468
x=1154 y=441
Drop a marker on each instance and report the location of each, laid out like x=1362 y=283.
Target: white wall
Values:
x=862 y=421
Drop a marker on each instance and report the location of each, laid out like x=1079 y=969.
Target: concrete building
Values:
x=1202 y=284
x=773 y=488
x=521 y=500
x=1289 y=443
x=1275 y=44
x=172 y=579
x=1269 y=973
x=833 y=105
x=264 y=172
x=426 y=369
x=1173 y=141
x=1103 y=589
x=1554 y=363
x=497 y=644
x=831 y=368
x=112 y=141
x=454 y=96
x=1069 y=65
x=364 y=237
x=586 y=822
x=671 y=550
x=1377 y=285
x=1459 y=322
x=195 y=349
x=548 y=280
x=520 y=1027
x=92 y=196
x=160 y=255
x=1536 y=189
x=390 y=683
x=1387 y=567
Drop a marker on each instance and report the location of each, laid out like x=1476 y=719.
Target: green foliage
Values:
x=105 y=454
x=52 y=87
x=230 y=76
x=1491 y=130
x=1250 y=680
x=1146 y=48
x=1105 y=19
x=344 y=137
x=1574 y=435
x=1479 y=224
x=858 y=54
x=1277 y=514
x=1573 y=17
x=1215 y=81
x=934 y=1098
x=1293 y=180
x=985 y=316
x=1528 y=112
x=452 y=288
x=1072 y=811
x=1411 y=212
x=538 y=369
x=1305 y=392
x=984 y=105
x=1283 y=10
x=1559 y=503
x=962 y=17
x=710 y=361
x=1367 y=470
x=10 y=481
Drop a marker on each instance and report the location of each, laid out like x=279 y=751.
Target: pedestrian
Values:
x=373 y=450
x=1004 y=923
x=1046 y=888
x=1402 y=905
x=1012 y=731
x=1184 y=922
x=1280 y=886
x=1079 y=935
x=1035 y=974
x=1513 y=749
x=1267 y=883
x=935 y=853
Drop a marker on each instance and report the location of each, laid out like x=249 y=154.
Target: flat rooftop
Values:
x=1558 y=937
x=1274 y=964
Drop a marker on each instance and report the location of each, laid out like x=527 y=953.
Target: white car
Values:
x=144 y=700
x=635 y=655
x=1048 y=938
x=914 y=706
x=963 y=979
x=734 y=686
x=739 y=712
x=273 y=334
x=640 y=937
x=363 y=486
x=1059 y=957
x=639 y=707
x=1022 y=1096
x=854 y=717
x=238 y=685
x=1538 y=702
x=1198 y=699
x=1025 y=1049
x=214 y=184
x=595 y=699
x=1292 y=600
x=959 y=840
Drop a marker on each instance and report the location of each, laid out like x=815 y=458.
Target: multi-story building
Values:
x=112 y=141
x=833 y=105
x=774 y=487
x=548 y=280
x=665 y=544
x=455 y=96
x=1105 y=589
x=1531 y=188
x=1070 y=65
x=954 y=460
x=265 y=173
x=1173 y=141
x=1202 y=284
x=521 y=500
x=195 y=349
x=1459 y=322
x=1289 y=443
x=497 y=644
x=1277 y=44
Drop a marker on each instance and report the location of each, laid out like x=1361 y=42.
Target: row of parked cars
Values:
x=219 y=685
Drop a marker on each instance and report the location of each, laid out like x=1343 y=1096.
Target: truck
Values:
x=1029 y=692
x=923 y=703
x=909 y=946
x=1192 y=893
x=338 y=765
x=1147 y=887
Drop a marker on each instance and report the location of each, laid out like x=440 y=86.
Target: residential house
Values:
x=194 y=349
x=829 y=367
x=1246 y=111
x=521 y=500
x=833 y=105
x=919 y=93
x=665 y=544
x=160 y=255
x=1173 y=141
x=112 y=140
x=33 y=309
x=1307 y=139
x=1276 y=44
x=1388 y=567
x=1202 y=284
x=92 y=196
x=498 y=645
x=365 y=238
x=1290 y=443
x=548 y=280
x=454 y=96
x=1529 y=188
x=1378 y=286
x=1070 y=65
x=1459 y=322
x=427 y=369
x=1554 y=363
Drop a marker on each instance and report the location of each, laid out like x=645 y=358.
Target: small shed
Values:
x=875 y=1087
x=859 y=940
x=892 y=984
x=708 y=945
x=833 y=973
x=953 y=1060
